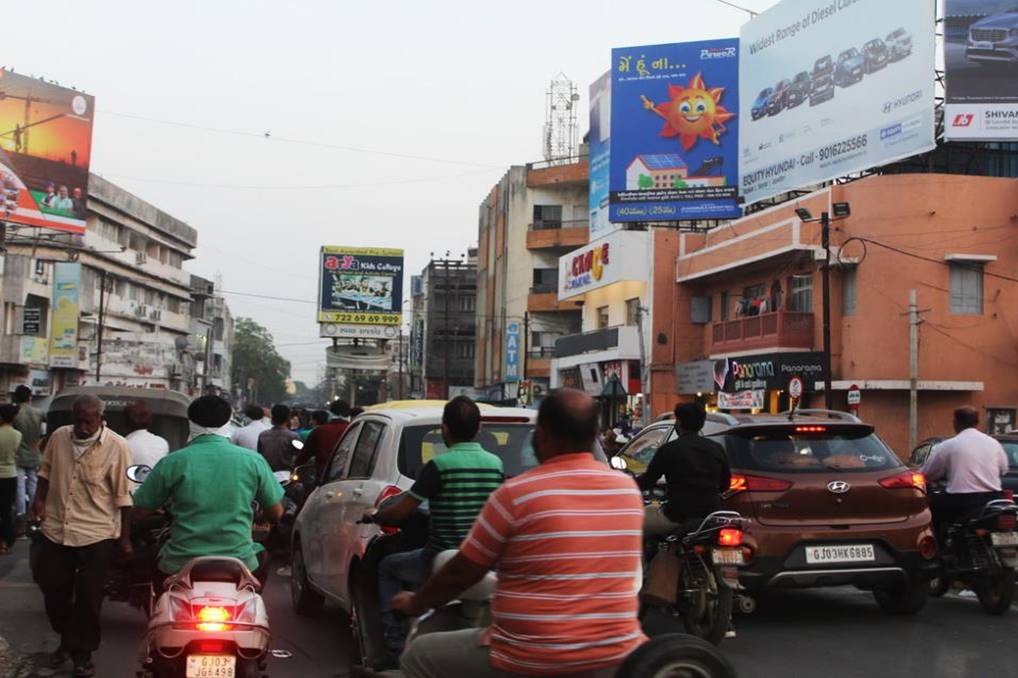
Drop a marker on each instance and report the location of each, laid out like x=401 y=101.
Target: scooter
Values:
x=210 y=621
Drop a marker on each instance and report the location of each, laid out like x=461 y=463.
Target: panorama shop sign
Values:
x=622 y=255
x=768 y=372
x=830 y=87
x=981 y=63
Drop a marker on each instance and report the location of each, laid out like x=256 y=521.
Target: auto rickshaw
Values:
x=169 y=410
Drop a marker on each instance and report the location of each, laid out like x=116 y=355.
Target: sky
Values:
x=276 y=128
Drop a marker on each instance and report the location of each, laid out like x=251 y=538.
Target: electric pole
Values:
x=825 y=242
x=644 y=368
x=913 y=369
x=99 y=330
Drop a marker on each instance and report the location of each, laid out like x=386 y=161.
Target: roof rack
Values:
x=833 y=414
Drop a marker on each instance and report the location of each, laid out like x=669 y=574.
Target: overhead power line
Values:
x=738 y=7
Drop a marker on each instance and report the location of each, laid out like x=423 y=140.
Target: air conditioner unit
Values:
x=141 y=311
x=156 y=314
x=140 y=258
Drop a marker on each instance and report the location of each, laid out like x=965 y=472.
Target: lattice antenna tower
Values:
x=561 y=136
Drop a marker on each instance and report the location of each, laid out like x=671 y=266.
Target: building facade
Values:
x=529 y=219
x=211 y=340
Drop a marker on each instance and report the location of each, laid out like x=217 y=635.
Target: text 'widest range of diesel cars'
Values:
x=818 y=86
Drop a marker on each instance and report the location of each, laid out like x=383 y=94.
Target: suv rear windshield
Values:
x=793 y=450
x=510 y=442
x=1012 y=452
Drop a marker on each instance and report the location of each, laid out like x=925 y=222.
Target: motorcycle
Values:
x=209 y=622
x=130 y=581
x=980 y=553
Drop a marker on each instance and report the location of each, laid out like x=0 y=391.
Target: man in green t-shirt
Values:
x=456 y=484
x=210 y=485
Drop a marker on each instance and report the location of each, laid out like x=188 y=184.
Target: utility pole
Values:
x=445 y=347
x=913 y=369
x=825 y=242
x=99 y=330
x=400 y=358
x=526 y=341
x=644 y=368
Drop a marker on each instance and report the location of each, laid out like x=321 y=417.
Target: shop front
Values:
x=752 y=383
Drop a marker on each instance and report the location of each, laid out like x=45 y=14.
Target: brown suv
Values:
x=828 y=503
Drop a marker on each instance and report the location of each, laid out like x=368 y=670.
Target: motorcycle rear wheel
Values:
x=996 y=593
x=676 y=655
x=708 y=614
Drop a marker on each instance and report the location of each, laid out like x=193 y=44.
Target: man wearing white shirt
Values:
x=146 y=448
x=972 y=463
x=248 y=435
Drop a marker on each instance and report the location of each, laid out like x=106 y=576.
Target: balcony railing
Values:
x=559 y=233
x=784 y=329
x=541 y=352
x=624 y=340
x=554 y=224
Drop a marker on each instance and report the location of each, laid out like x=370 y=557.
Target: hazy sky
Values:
x=452 y=81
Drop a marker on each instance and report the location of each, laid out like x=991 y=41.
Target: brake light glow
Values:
x=211 y=646
x=213 y=619
x=810 y=429
x=746 y=483
x=389 y=491
x=906 y=480
x=1007 y=521
x=928 y=547
x=1008 y=494
x=729 y=536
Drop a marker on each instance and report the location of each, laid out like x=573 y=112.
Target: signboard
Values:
x=31 y=320
x=981 y=67
x=769 y=372
x=512 y=352
x=832 y=87
x=854 y=396
x=45 y=149
x=695 y=377
x=64 y=320
x=523 y=392
x=795 y=388
x=599 y=143
x=743 y=400
x=622 y=255
x=591 y=378
x=34 y=351
x=39 y=381
x=360 y=286
x=338 y=331
x=674 y=137
x=417 y=343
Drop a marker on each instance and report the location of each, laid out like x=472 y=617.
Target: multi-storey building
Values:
x=211 y=339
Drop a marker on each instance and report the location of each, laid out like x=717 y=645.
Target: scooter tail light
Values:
x=180 y=610
x=247 y=611
x=389 y=491
x=1007 y=521
x=213 y=618
x=729 y=536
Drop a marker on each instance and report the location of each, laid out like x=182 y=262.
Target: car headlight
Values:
x=1013 y=32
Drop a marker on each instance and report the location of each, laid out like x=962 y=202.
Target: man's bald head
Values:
x=566 y=422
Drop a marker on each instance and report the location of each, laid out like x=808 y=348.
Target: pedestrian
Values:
x=29 y=423
x=322 y=441
x=84 y=504
x=455 y=484
x=247 y=436
x=10 y=440
x=146 y=448
x=317 y=418
x=276 y=444
x=566 y=540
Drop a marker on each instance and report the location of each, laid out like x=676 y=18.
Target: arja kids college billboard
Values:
x=45 y=148
x=360 y=286
x=674 y=132
x=981 y=63
x=830 y=87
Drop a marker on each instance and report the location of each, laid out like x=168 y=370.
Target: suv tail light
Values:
x=388 y=492
x=730 y=536
x=928 y=547
x=746 y=483
x=906 y=480
x=1007 y=521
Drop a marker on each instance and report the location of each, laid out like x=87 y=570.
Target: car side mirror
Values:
x=138 y=472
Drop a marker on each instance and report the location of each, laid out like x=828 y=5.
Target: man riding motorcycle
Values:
x=210 y=486
x=972 y=463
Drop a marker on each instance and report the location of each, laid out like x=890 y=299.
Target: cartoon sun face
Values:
x=694 y=112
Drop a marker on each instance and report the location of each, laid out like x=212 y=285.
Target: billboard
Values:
x=832 y=87
x=599 y=142
x=45 y=149
x=63 y=350
x=674 y=137
x=360 y=286
x=981 y=66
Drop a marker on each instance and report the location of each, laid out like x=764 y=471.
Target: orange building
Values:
x=748 y=303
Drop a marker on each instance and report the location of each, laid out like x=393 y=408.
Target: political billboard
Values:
x=830 y=87
x=674 y=132
x=981 y=68
x=599 y=142
x=45 y=149
x=360 y=286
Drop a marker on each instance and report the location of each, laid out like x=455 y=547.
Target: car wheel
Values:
x=676 y=654
x=305 y=601
x=905 y=598
x=996 y=593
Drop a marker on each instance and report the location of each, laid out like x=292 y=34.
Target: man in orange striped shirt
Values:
x=565 y=540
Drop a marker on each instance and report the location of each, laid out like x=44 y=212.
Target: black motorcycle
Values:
x=980 y=553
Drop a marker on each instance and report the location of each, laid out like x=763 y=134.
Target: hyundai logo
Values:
x=838 y=486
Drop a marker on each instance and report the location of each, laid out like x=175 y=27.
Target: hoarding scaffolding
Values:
x=561 y=135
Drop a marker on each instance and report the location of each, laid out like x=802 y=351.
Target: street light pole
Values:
x=825 y=241
x=99 y=330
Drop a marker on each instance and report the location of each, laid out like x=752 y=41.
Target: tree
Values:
x=255 y=357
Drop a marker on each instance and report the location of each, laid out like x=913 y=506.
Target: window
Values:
x=364 y=453
x=547 y=216
x=545 y=280
x=724 y=306
x=801 y=296
x=850 y=448
x=848 y=291
x=173 y=305
x=342 y=454
x=467 y=303
x=465 y=350
x=966 y=288
x=602 y=317
x=509 y=442
x=176 y=259
x=632 y=311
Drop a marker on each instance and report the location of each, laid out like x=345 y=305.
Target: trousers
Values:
x=72 y=579
x=8 y=490
x=27 y=482
x=396 y=572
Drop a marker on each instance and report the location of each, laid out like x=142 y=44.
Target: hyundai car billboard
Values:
x=674 y=132
x=981 y=64
x=45 y=149
x=830 y=87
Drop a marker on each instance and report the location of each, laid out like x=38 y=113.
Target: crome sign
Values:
x=769 y=372
x=588 y=267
